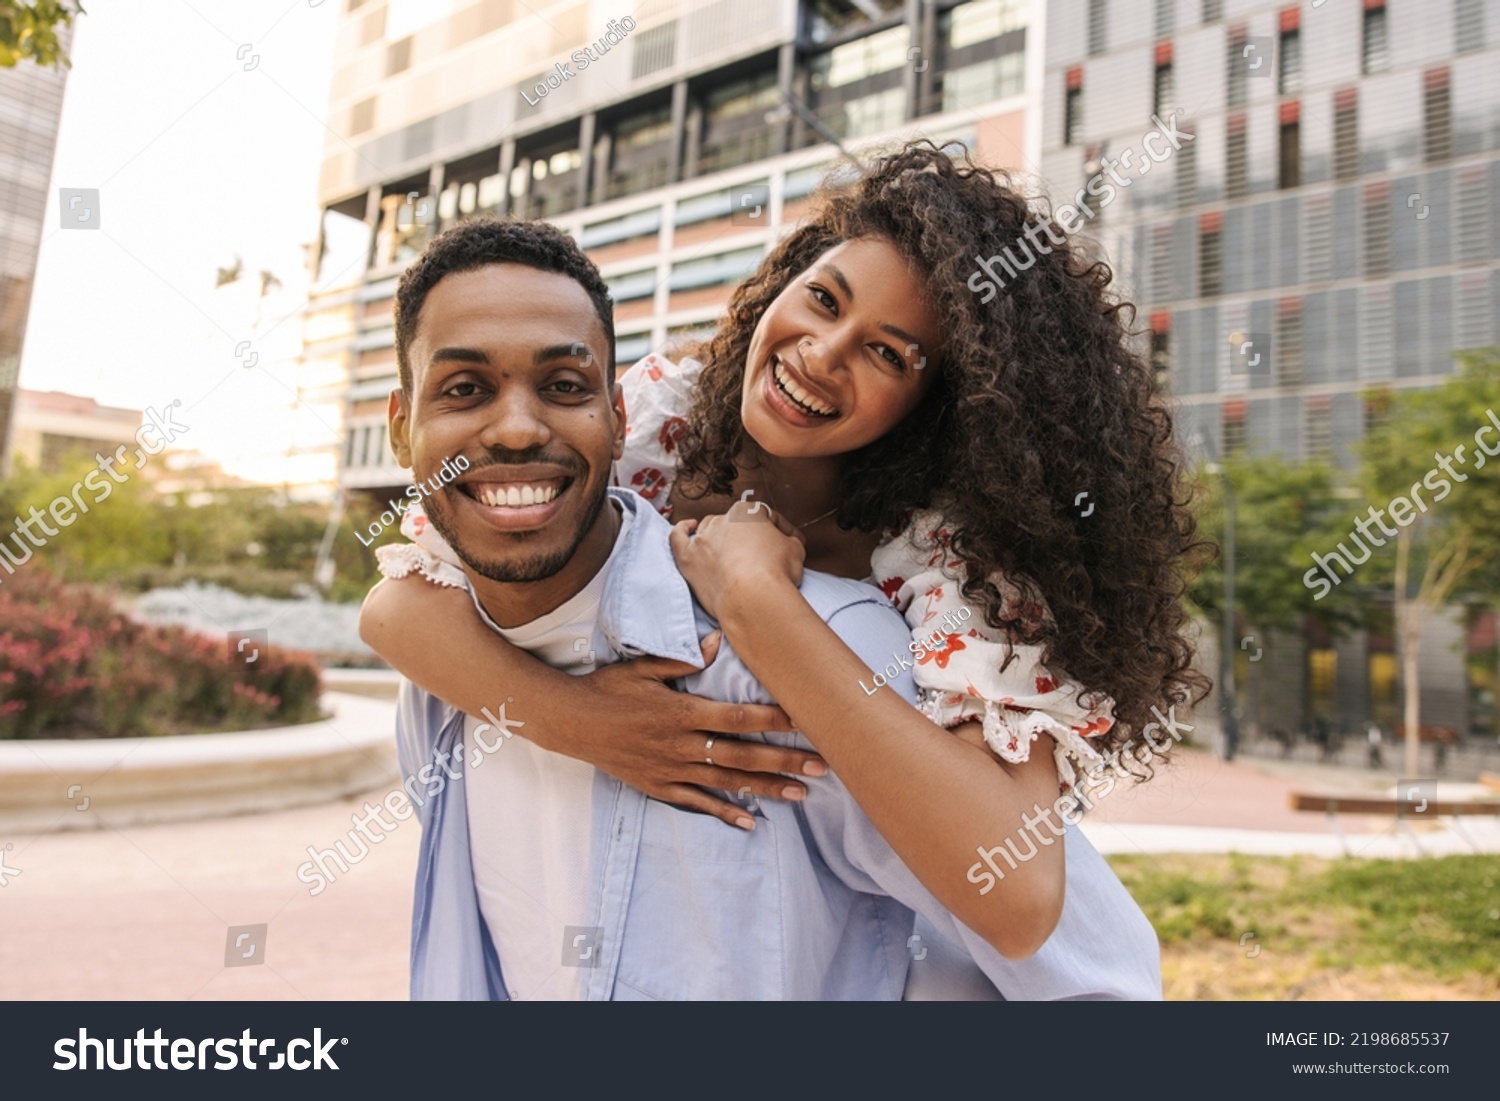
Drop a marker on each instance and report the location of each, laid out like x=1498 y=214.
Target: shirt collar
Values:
x=647 y=607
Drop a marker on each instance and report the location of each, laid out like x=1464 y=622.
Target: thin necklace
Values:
x=815 y=519
x=805 y=524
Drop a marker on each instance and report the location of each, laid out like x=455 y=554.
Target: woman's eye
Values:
x=824 y=298
x=891 y=356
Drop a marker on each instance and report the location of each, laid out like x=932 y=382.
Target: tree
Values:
x=1431 y=463
x=28 y=30
x=1283 y=513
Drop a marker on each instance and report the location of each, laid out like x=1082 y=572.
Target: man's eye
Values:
x=462 y=390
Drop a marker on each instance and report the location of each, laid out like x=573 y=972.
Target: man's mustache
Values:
x=498 y=457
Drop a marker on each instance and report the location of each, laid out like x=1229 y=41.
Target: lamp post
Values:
x=1230 y=720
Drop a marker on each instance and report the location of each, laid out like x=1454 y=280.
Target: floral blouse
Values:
x=964 y=669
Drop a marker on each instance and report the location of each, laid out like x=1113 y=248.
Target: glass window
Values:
x=1376 y=49
x=1290 y=75
x=1234 y=427
x=642 y=153
x=1236 y=160
x=637 y=284
x=1288 y=345
x=1237 y=75
x=1290 y=174
x=826 y=18
x=1072 y=116
x=988 y=80
x=627 y=227
x=1164 y=93
x=1098 y=26
x=1210 y=263
x=713 y=271
x=861 y=59
x=1345 y=136
x=1166 y=17
x=554 y=182
x=735 y=130
x=804 y=181
x=629 y=349
x=1437 y=117
x=1468 y=26
x=983 y=20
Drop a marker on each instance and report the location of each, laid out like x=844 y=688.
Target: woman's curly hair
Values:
x=1040 y=397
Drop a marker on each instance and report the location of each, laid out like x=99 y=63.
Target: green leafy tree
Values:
x=1427 y=465
x=1283 y=513
x=28 y=31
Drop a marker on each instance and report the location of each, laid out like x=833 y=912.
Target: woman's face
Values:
x=841 y=356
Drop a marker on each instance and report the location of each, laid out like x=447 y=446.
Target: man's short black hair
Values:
x=477 y=242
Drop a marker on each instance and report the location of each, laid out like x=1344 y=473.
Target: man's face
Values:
x=509 y=369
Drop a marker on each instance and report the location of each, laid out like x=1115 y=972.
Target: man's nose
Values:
x=517 y=424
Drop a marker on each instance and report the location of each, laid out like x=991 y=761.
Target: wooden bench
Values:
x=1401 y=809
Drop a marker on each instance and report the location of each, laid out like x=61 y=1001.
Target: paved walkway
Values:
x=145 y=911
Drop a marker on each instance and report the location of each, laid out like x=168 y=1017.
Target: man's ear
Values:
x=617 y=396
x=398 y=420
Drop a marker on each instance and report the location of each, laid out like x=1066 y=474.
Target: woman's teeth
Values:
x=497 y=496
x=799 y=396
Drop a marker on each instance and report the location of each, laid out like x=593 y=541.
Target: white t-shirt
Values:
x=530 y=814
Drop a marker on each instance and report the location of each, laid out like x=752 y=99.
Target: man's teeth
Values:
x=497 y=496
x=799 y=395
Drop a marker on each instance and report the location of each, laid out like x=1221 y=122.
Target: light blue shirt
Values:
x=812 y=904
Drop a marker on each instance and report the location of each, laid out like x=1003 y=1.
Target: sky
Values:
x=201 y=122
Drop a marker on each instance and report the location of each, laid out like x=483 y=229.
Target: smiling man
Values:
x=540 y=876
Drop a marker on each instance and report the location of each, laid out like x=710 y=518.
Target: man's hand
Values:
x=658 y=739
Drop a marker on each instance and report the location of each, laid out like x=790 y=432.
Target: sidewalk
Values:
x=144 y=912
x=1200 y=803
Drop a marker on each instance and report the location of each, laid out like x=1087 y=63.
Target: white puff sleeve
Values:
x=967 y=670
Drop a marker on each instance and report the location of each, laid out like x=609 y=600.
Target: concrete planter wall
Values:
x=53 y=785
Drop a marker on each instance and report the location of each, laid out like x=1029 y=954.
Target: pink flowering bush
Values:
x=73 y=666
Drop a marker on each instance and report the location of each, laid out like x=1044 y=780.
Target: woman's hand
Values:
x=623 y=718
x=748 y=549
x=657 y=739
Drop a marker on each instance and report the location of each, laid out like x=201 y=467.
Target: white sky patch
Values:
x=197 y=159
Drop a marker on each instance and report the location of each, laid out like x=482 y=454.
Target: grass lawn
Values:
x=1288 y=928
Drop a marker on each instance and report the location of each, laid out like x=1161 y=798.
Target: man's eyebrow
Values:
x=460 y=355
x=578 y=349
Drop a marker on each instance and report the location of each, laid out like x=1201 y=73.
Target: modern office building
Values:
x=662 y=135
x=30 y=105
x=1314 y=224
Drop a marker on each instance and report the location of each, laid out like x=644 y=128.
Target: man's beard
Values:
x=536 y=567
